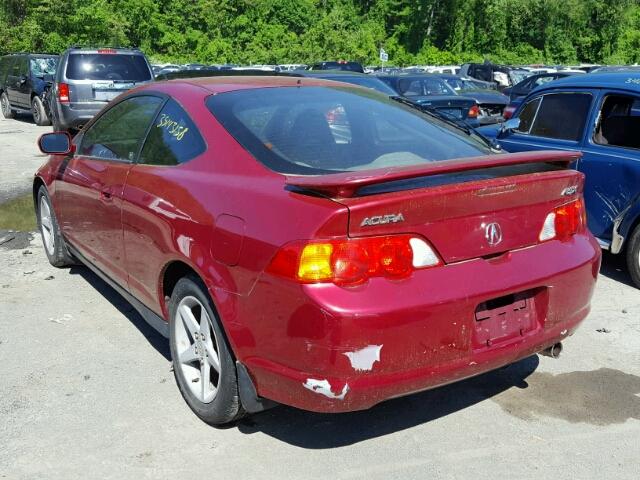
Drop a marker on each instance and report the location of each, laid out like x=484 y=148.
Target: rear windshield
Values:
x=105 y=66
x=315 y=130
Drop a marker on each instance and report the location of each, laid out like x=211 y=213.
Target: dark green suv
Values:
x=25 y=79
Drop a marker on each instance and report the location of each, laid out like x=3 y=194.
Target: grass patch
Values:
x=18 y=214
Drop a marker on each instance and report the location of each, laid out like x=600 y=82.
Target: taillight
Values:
x=63 y=93
x=108 y=51
x=508 y=112
x=474 y=111
x=565 y=221
x=350 y=262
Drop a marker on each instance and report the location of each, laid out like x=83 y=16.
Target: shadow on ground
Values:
x=615 y=267
x=322 y=431
x=156 y=340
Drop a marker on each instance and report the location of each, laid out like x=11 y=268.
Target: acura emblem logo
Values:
x=493 y=234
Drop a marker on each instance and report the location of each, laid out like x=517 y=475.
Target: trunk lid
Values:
x=465 y=208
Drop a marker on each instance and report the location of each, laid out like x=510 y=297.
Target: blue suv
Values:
x=599 y=115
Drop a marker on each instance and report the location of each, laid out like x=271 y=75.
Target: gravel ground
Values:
x=86 y=391
x=19 y=155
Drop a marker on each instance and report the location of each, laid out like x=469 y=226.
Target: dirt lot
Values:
x=86 y=391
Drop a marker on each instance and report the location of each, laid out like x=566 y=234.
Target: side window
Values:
x=562 y=116
x=118 y=133
x=528 y=115
x=619 y=122
x=19 y=67
x=5 y=65
x=173 y=138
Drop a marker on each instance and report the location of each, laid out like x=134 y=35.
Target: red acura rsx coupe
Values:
x=317 y=244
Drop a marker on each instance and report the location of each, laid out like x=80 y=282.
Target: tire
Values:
x=53 y=241
x=5 y=106
x=191 y=315
x=39 y=112
x=633 y=256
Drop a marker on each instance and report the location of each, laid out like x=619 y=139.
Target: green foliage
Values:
x=292 y=31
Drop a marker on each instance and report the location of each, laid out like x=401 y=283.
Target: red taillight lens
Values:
x=109 y=51
x=565 y=221
x=508 y=112
x=350 y=262
x=570 y=219
x=474 y=112
x=63 y=93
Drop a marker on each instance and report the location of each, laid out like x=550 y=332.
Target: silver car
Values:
x=87 y=79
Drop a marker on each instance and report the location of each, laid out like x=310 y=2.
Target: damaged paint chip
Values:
x=323 y=387
x=363 y=360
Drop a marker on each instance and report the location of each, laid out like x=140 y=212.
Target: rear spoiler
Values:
x=346 y=184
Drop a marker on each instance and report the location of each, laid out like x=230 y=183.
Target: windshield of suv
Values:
x=44 y=66
x=315 y=130
x=108 y=66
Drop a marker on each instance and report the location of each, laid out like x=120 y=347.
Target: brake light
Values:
x=474 y=111
x=508 y=112
x=109 y=51
x=63 y=93
x=350 y=262
x=565 y=221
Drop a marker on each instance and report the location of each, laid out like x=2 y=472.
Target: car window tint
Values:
x=527 y=114
x=562 y=116
x=314 y=130
x=5 y=64
x=619 y=122
x=19 y=67
x=107 y=66
x=173 y=138
x=118 y=133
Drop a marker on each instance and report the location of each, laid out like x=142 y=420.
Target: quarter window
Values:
x=562 y=116
x=527 y=115
x=118 y=133
x=173 y=138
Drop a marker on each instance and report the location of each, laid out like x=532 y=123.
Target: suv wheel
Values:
x=39 y=112
x=202 y=364
x=54 y=244
x=633 y=256
x=6 y=106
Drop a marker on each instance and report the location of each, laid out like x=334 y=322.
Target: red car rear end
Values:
x=342 y=263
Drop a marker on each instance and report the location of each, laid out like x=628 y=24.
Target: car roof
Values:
x=624 y=80
x=228 y=84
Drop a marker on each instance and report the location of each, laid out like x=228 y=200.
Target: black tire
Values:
x=225 y=406
x=39 y=112
x=5 y=106
x=633 y=256
x=57 y=251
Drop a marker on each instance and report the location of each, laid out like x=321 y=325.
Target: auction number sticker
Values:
x=635 y=81
x=174 y=128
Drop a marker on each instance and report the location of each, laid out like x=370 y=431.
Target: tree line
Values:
x=304 y=31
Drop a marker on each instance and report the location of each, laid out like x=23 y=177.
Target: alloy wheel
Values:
x=197 y=349
x=47 y=226
x=35 y=111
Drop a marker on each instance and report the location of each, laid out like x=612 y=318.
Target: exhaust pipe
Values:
x=553 y=351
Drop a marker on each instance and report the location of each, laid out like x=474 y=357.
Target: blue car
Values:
x=599 y=115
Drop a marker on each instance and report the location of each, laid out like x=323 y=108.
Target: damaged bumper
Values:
x=353 y=348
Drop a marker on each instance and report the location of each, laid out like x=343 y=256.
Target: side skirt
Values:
x=149 y=316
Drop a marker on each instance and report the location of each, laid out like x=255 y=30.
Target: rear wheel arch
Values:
x=171 y=275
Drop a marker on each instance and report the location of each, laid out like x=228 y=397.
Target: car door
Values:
x=17 y=81
x=93 y=180
x=157 y=198
x=555 y=121
x=611 y=160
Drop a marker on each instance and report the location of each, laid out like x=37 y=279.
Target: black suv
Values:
x=89 y=78
x=25 y=79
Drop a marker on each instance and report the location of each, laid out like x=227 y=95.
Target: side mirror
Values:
x=511 y=124
x=58 y=143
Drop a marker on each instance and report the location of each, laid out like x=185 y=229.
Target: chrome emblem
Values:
x=569 y=190
x=382 y=220
x=493 y=234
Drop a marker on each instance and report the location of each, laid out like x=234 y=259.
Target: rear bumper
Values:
x=75 y=115
x=329 y=349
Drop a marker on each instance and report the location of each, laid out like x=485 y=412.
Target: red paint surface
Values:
x=286 y=333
